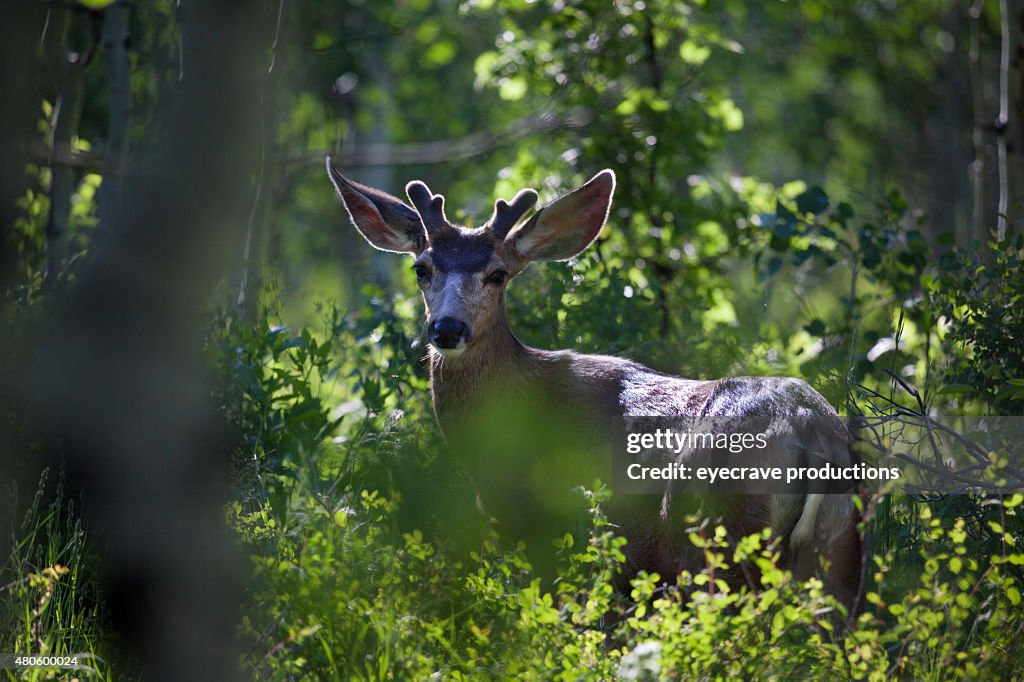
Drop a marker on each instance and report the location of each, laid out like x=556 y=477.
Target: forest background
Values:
x=216 y=427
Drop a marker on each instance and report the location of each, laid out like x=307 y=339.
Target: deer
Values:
x=477 y=366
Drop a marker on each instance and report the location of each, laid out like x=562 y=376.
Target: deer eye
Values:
x=498 y=277
x=422 y=272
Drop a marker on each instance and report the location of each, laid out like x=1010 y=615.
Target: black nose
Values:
x=447 y=332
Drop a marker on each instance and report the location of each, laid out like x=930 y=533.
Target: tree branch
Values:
x=358 y=156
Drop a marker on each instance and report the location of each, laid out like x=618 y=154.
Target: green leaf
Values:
x=441 y=52
x=785 y=221
x=511 y=89
x=728 y=113
x=692 y=53
x=815 y=328
x=814 y=200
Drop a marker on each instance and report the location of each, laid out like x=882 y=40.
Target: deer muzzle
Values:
x=449 y=334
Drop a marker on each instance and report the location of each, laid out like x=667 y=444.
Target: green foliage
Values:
x=368 y=556
x=28 y=232
x=284 y=400
x=962 y=616
x=885 y=261
x=980 y=301
x=632 y=74
x=345 y=586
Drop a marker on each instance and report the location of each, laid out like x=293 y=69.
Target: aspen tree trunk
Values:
x=66 y=68
x=115 y=47
x=945 y=153
x=983 y=175
x=1015 y=124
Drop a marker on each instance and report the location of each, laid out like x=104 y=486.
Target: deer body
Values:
x=478 y=367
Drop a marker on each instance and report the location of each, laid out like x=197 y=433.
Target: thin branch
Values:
x=451 y=149
x=254 y=251
x=899 y=417
x=277 y=36
x=243 y=284
x=358 y=156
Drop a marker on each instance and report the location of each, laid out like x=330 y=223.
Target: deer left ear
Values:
x=568 y=225
x=384 y=221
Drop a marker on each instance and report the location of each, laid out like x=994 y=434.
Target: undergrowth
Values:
x=350 y=585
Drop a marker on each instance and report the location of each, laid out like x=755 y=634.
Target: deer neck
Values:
x=495 y=362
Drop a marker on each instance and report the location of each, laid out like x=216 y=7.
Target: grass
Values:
x=50 y=601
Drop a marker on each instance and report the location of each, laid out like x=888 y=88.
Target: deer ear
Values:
x=568 y=225
x=383 y=220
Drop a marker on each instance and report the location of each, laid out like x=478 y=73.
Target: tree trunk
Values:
x=1015 y=124
x=254 y=251
x=115 y=47
x=66 y=69
x=19 y=31
x=983 y=167
x=125 y=374
x=946 y=154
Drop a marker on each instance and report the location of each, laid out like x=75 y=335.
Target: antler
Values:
x=430 y=206
x=506 y=215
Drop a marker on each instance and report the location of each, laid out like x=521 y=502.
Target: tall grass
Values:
x=51 y=603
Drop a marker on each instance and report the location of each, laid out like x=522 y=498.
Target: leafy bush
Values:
x=980 y=300
x=347 y=584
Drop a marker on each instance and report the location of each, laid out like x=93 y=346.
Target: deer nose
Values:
x=448 y=332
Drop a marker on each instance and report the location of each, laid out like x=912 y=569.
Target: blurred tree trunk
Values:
x=1015 y=129
x=19 y=34
x=985 y=175
x=380 y=99
x=124 y=381
x=115 y=47
x=1001 y=124
x=66 y=69
x=254 y=253
x=947 y=157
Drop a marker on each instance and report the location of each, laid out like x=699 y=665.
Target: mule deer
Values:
x=476 y=362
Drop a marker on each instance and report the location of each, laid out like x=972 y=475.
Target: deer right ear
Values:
x=566 y=226
x=383 y=220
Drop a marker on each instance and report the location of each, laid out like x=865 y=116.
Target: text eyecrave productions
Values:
x=713 y=474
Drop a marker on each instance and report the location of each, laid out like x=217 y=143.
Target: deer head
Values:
x=463 y=272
